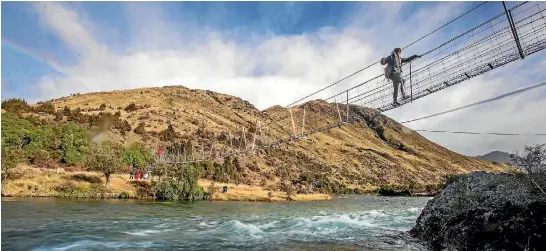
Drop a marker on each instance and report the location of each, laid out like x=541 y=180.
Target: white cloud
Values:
x=270 y=69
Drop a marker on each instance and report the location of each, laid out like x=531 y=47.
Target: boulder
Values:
x=485 y=211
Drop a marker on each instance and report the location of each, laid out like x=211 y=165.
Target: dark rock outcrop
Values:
x=484 y=211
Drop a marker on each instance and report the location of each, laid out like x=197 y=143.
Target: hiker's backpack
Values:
x=387 y=70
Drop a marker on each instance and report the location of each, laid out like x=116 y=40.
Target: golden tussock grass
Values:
x=375 y=152
x=40 y=182
x=255 y=193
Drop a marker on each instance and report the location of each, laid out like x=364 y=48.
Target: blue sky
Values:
x=116 y=21
x=268 y=53
x=20 y=24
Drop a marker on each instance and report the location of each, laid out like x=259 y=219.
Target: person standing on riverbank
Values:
x=131 y=173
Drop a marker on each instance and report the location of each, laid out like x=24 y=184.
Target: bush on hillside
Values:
x=16 y=105
x=131 y=107
x=34 y=138
x=66 y=111
x=46 y=107
x=58 y=116
x=122 y=126
x=140 y=129
x=168 y=134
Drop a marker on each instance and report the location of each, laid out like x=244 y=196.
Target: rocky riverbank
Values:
x=485 y=211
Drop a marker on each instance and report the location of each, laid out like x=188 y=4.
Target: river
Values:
x=346 y=223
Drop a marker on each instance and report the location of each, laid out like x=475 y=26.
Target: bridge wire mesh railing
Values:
x=485 y=47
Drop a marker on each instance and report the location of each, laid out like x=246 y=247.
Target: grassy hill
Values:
x=376 y=151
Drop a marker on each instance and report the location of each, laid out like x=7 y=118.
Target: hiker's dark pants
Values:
x=397 y=80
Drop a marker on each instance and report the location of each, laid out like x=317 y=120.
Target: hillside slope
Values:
x=375 y=151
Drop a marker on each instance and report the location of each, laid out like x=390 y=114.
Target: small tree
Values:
x=160 y=169
x=74 y=143
x=105 y=157
x=286 y=187
x=10 y=159
x=286 y=181
x=137 y=156
x=533 y=161
x=212 y=190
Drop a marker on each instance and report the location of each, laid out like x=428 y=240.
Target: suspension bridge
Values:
x=512 y=34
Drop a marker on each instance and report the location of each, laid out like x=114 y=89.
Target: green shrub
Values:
x=173 y=190
x=35 y=139
x=136 y=155
x=74 y=143
x=181 y=184
x=16 y=105
x=144 y=189
x=10 y=159
x=46 y=107
x=123 y=195
x=105 y=157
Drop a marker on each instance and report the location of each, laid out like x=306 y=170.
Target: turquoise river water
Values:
x=346 y=223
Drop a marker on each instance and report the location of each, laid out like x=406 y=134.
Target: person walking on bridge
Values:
x=393 y=71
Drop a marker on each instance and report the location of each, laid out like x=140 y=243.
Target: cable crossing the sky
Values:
x=482 y=133
x=343 y=123
x=485 y=47
x=369 y=66
x=477 y=103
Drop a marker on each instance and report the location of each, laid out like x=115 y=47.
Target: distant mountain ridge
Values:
x=498 y=156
